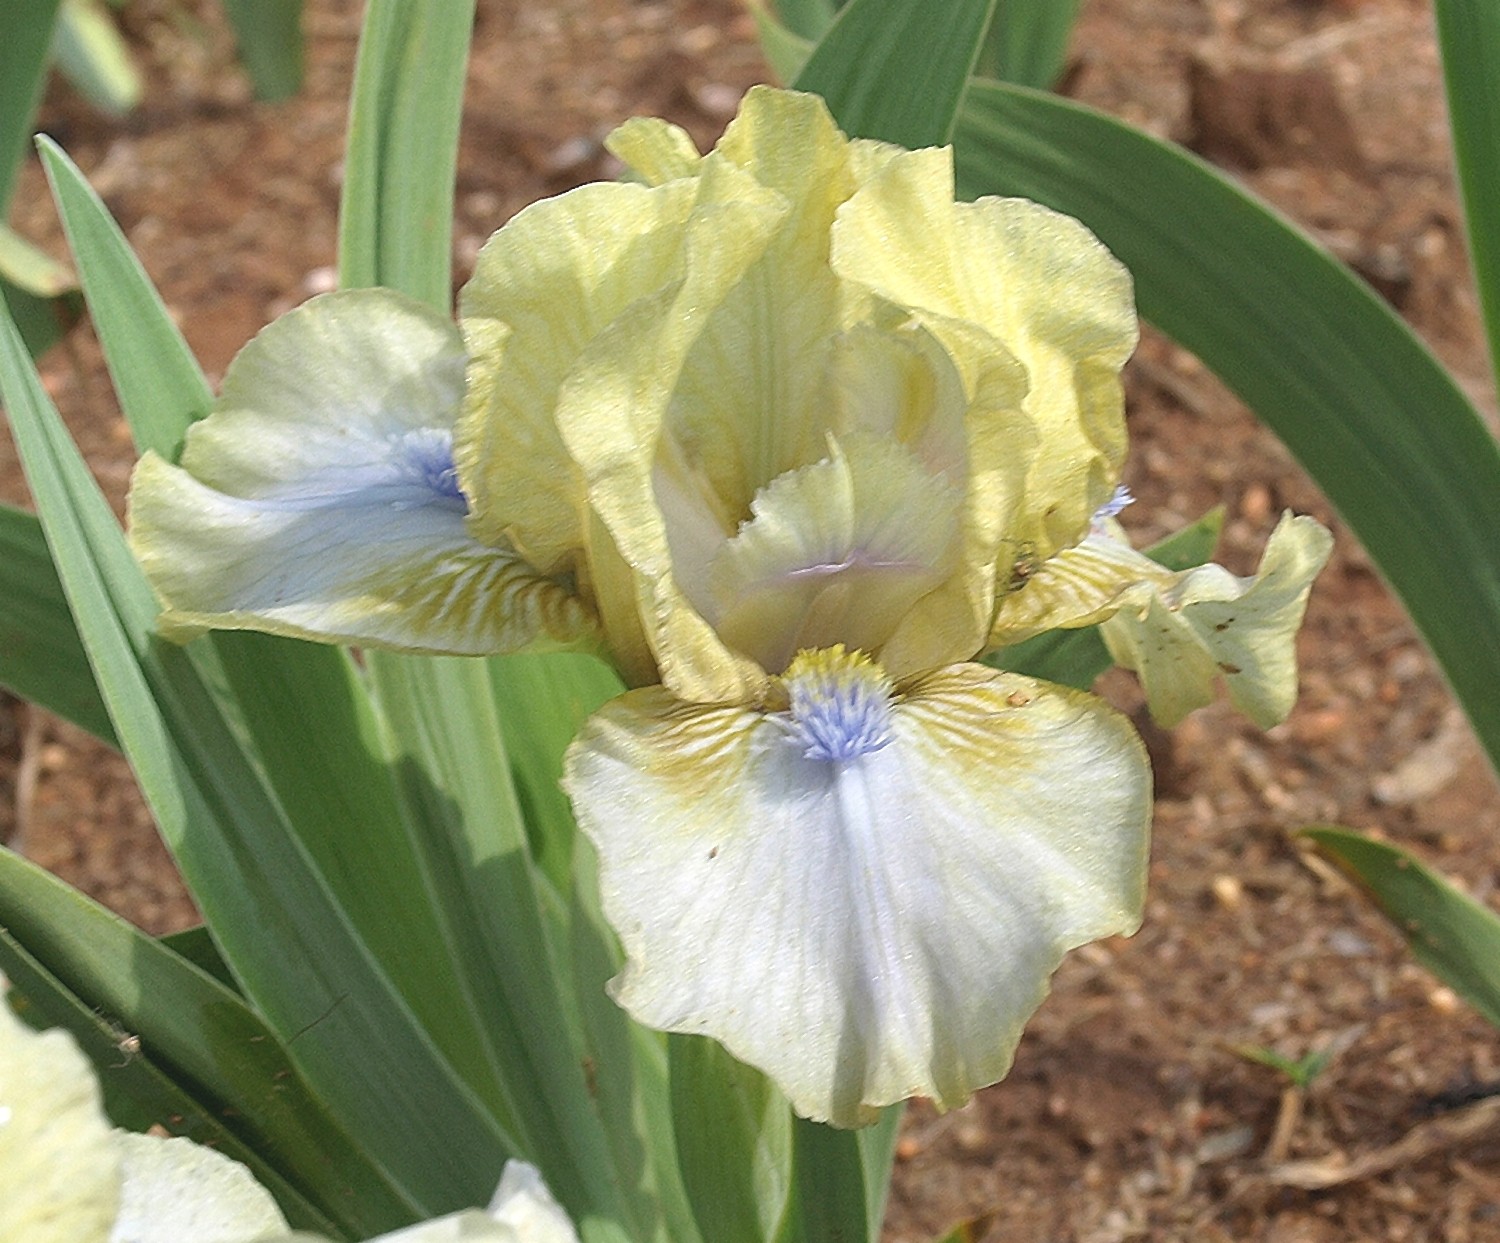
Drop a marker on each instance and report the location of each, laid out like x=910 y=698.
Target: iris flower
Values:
x=792 y=438
x=66 y=1176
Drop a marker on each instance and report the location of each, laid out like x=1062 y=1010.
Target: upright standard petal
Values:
x=863 y=894
x=611 y=414
x=1008 y=276
x=59 y=1166
x=320 y=498
x=838 y=551
x=545 y=286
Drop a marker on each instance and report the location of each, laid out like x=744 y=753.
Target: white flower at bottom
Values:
x=59 y=1168
x=67 y=1177
x=175 y=1191
x=862 y=893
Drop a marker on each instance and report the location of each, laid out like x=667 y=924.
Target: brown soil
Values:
x=1128 y=1114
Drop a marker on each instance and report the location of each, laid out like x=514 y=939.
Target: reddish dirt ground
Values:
x=1128 y=1115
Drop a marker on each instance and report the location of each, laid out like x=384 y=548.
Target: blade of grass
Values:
x=93 y=57
x=155 y=373
x=543 y=699
x=808 y=19
x=1028 y=42
x=1358 y=399
x=877 y=1154
x=457 y=781
x=785 y=50
x=395 y=217
x=735 y=1139
x=829 y=1201
x=626 y=1063
x=889 y=71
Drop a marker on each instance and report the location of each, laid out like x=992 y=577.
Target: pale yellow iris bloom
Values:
x=791 y=438
x=67 y=1176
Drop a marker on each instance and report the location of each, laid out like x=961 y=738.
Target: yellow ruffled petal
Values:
x=748 y=403
x=656 y=151
x=613 y=406
x=862 y=895
x=1046 y=292
x=544 y=286
x=59 y=1165
x=1209 y=624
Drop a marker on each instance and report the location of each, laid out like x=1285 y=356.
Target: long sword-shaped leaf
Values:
x=626 y=1063
x=305 y=705
x=42 y=294
x=24 y=55
x=543 y=700
x=1028 y=42
x=1365 y=407
x=734 y=1133
x=395 y=217
x=458 y=787
x=299 y=959
x=1469 y=34
x=807 y=19
x=889 y=70
x=830 y=1199
x=92 y=55
x=43 y=321
x=41 y=657
x=269 y=33
x=155 y=374
x=174 y=1047
x=1453 y=936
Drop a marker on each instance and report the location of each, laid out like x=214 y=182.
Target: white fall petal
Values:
x=320 y=498
x=870 y=928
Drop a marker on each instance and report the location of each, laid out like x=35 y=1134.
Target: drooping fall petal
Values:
x=865 y=894
x=320 y=497
x=1210 y=624
x=1181 y=631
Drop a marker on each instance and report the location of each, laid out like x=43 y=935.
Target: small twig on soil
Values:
x=1447 y=1131
x=1288 y=1115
